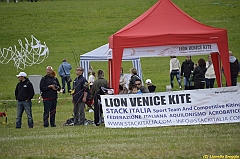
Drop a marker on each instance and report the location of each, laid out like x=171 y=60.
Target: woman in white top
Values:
x=122 y=83
x=91 y=79
x=210 y=73
x=175 y=70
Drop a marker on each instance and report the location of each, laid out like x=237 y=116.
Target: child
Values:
x=134 y=90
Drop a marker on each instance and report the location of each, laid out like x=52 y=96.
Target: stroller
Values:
x=98 y=112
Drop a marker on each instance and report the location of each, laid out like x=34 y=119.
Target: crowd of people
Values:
x=201 y=74
x=195 y=76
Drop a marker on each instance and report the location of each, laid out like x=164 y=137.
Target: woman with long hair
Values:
x=199 y=74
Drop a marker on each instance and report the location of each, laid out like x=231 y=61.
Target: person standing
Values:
x=91 y=78
x=122 y=83
x=80 y=87
x=64 y=73
x=234 y=68
x=210 y=73
x=186 y=70
x=123 y=79
x=174 y=71
x=100 y=82
x=199 y=74
x=24 y=92
x=49 y=85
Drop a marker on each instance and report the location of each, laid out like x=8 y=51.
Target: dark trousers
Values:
x=49 y=109
x=199 y=85
x=234 y=81
x=79 y=113
x=97 y=111
x=64 y=80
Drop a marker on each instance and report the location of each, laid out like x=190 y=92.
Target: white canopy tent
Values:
x=103 y=53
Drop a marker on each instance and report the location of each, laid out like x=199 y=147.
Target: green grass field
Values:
x=73 y=27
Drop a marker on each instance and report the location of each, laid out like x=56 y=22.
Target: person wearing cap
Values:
x=151 y=87
x=24 y=92
x=49 y=85
x=80 y=87
x=64 y=72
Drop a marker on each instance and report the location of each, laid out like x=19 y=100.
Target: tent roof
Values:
x=101 y=53
x=165 y=24
x=165 y=20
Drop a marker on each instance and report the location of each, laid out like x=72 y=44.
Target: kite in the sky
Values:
x=27 y=55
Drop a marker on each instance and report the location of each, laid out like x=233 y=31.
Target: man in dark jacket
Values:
x=80 y=87
x=24 y=92
x=234 y=68
x=186 y=70
x=100 y=82
x=49 y=85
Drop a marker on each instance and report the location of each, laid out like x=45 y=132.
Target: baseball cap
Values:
x=148 y=81
x=49 y=67
x=22 y=74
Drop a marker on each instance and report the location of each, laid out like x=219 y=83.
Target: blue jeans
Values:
x=209 y=82
x=177 y=74
x=64 y=80
x=27 y=106
x=49 y=108
x=187 y=81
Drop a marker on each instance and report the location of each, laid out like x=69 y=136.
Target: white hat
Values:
x=49 y=67
x=148 y=81
x=22 y=74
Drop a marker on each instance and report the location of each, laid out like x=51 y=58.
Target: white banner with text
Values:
x=171 y=50
x=188 y=107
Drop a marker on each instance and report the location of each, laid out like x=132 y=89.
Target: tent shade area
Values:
x=103 y=53
x=165 y=30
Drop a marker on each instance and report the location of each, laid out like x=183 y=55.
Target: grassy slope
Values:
x=71 y=28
